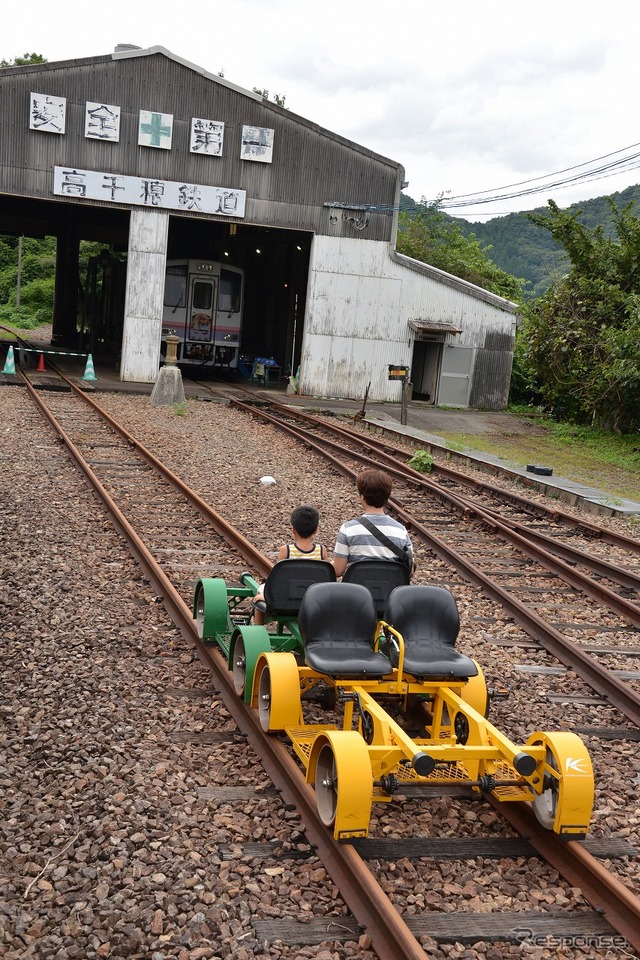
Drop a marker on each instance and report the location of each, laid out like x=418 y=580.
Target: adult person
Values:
x=357 y=539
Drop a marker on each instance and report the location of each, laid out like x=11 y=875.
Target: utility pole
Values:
x=19 y=273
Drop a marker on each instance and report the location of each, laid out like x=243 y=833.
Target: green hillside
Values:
x=525 y=250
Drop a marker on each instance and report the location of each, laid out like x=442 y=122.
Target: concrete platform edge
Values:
x=569 y=491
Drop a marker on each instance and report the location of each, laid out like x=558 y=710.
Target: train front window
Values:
x=230 y=289
x=175 y=287
x=202 y=295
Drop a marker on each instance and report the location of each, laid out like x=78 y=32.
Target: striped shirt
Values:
x=355 y=542
x=295 y=553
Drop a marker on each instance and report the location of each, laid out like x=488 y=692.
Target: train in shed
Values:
x=203 y=306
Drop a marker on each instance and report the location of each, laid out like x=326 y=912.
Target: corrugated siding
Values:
x=359 y=304
x=310 y=167
x=490 y=385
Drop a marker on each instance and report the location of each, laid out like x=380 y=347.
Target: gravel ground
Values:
x=110 y=841
x=110 y=838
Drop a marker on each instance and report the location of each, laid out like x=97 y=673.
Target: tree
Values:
x=583 y=335
x=277 y=98
x=426 y=234
x=23 y=60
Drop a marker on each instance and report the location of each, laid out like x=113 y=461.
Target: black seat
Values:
x=337 y=624
x=380 y=577
x=428 y=619
x=288 y=581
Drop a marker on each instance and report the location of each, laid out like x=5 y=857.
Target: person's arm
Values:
x=283 y=552
x=340 y=565
x=341 y=553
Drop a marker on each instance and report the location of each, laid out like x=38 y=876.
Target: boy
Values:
x=304 y=526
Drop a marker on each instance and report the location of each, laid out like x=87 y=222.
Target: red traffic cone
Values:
x=41 y=365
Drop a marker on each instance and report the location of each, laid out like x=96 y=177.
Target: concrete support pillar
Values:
x=146 y=263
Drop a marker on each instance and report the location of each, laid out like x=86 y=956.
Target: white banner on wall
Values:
x=147 y=192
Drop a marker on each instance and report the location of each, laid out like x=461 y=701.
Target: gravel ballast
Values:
x=112 y=841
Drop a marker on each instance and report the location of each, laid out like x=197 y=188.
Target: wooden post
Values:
x=401 y=373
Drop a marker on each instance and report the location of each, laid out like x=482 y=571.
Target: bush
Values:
x=23 y=317
x=422 y=461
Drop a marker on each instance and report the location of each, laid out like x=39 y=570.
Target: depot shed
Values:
x=158 y=159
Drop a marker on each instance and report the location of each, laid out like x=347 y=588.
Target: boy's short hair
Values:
x=374 y=486
x=305 y=520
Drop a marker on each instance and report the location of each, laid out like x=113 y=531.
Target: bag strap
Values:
x=384 y=540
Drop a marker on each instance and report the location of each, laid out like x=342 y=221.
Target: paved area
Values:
x=425 y=424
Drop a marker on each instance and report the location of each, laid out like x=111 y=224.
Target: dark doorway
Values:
x=425 y=369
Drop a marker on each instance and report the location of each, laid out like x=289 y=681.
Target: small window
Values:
x=202 y=295
x=230 y=290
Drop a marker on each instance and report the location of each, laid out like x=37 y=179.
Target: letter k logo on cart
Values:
x=575 y=765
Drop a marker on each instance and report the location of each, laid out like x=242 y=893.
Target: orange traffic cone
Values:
x=41 y=365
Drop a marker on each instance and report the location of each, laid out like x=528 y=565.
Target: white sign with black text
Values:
x=147 y=192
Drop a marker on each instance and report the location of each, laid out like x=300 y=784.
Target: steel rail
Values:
x=390 y=937
x=232 y=536
x=603 y=568
x=510 y=531
x=528 y=506
x=567 y=552
x=602 y=889
x=602 y=680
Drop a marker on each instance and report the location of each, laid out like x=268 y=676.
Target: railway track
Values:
x=128 y=486
x=553 y=523
x=577 y=540
x=142 y=486
x=552 y=599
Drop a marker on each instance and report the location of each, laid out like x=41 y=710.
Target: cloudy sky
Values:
x=470 y=96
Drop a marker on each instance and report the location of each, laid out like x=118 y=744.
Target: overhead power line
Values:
x=508 y=186
x=508 y=192
x=503 y=213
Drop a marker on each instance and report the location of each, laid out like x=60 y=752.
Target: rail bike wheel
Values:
x=474 y=692
x=343 y=783
x=211 y=608
x=239 y=667
x=277 y=685
x=247 y=643
x=327 y=785
x=565 y=801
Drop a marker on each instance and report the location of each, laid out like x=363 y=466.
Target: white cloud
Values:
x=466 y=94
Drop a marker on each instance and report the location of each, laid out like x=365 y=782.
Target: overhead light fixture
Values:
x=226 y=253
x=298 y=247
x=258 y=251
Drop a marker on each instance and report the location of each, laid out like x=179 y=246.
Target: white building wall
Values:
x=361 y=297
x=148 y=235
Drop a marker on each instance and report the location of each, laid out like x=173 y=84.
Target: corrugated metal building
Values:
x=154 y=157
